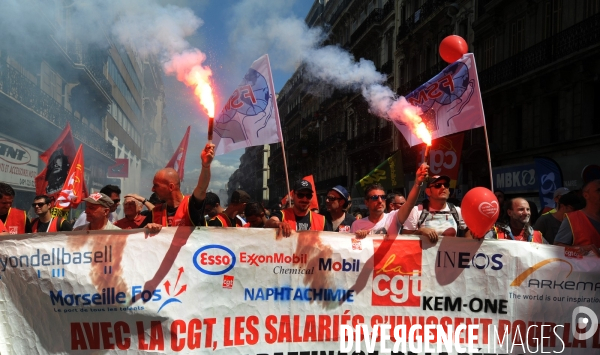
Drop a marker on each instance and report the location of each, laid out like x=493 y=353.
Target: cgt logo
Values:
x=397 y=273
x=214 y=259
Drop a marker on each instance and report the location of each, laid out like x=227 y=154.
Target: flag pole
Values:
x=280 y=133
x=487 y=142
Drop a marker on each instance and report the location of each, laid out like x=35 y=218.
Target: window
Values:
x=517 y=36
x=489 y=52
x=552 y=17
x=52 y=83
x=591 y=8
x=113 y=71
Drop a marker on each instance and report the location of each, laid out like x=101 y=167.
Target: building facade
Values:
x=538 y=65
x=103 y=90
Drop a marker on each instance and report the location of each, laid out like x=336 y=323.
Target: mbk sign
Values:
x=515 y=179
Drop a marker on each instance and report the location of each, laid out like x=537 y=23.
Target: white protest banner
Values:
x=241 y=291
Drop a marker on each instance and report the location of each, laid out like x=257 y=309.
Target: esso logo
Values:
x=214 y=259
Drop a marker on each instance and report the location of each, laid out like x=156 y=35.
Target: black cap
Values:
x=302 y=185
x=437 y=178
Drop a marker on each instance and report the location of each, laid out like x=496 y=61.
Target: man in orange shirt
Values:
x=15 y=220
x=132 y=209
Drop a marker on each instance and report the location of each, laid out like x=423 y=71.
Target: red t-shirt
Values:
x=138 y=222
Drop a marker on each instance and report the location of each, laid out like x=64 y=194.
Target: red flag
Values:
x=73 y=190
x=119 y=170
x=58 y=160
x=313 y=202
x=177 y=162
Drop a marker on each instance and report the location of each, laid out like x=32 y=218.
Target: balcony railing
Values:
x=575 y=38
x=21 y=89
x=333 y=139
x=374 y=18
x=93 y=59
x=419 y=17
x=338 y=12
x=365 y=141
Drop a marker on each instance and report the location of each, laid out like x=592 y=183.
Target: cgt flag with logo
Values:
x=93 y=292
x=250 y=116
x=450 y=102
x=177 y=161
x=73 y=190
x=58 y=159
x=388 y=174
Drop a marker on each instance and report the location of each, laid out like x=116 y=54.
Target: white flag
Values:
x=250 y=116
x=450 y=101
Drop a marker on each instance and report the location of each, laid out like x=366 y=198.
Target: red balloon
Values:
x=480 y=210
x=452 y=48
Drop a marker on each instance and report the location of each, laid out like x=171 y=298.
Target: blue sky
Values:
x=214 y=39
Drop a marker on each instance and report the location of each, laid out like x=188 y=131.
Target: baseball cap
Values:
x=342 y=191
x=560 y=191
x=437 y=178
x=240 y=196
x=302 y=185
x=99 y=198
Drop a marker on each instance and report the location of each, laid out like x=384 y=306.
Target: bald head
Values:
x=169 y=176
x=166 y=183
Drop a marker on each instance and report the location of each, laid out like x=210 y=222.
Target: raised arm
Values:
x=207 y=156
x=411 y=199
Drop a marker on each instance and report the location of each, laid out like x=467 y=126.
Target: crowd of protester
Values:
x=574 y=220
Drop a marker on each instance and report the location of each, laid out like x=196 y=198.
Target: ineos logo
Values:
x=214 y=259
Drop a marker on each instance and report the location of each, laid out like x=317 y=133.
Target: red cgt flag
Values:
x=73 y=190
x=177 y=162
x=58 y=159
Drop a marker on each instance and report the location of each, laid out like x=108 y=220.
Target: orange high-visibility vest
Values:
x=16 y=221
x=583 y=230
x=181 y=218
x=317 y=221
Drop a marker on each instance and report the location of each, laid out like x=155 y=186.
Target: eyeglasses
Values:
x=307 y=195
x=39 y=204
x=376 y=197
x=332 y=198
x=440 y=185
x=116 y=202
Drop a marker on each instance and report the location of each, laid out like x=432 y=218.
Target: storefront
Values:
x=18 y=168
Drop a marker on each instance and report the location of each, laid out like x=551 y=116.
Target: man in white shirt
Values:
x=114 y=193
x=436 y=217
x=97 y=208
x=379 y=222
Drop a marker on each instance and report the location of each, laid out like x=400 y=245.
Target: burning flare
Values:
x=188 y=68
x=417 y=126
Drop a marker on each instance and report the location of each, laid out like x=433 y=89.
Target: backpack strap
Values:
x=424 y=213
x=454 y=213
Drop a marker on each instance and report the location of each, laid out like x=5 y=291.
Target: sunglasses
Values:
x=117 y=201
x=440 y=185
x=39 y=204
x=307 y=195
x=332 y=198
x=376 y=197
